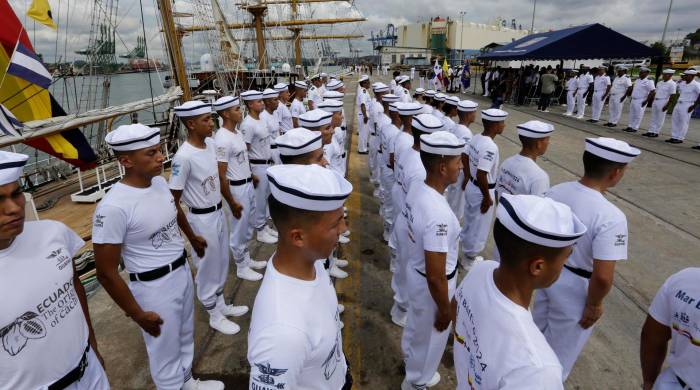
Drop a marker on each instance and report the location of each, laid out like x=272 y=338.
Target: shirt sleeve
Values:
x=248 y=133
x=223 y=150
x=435 y=234
x=179 y=173
x=660 y=308
x=539 y=186
x=628 y=82
x=72 y=240
x=109 y=225
x=610 y=241
x=533 y=378
x=295 y=111
x=487 y=159
x=277 y=352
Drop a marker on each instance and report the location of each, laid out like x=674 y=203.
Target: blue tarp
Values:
x=592 y=41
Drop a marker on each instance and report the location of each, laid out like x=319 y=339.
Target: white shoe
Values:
x=265 y=237
x=579 y=117
x=268 y=229
x=545 y=110
x=224 y=325
x=568 y=114
x=342 y=325
x=248 y=274
x=341 y=308
x=233 y=311
x=375 y=193
x=196 y=384
x=434 y=380
x=337 y=272
x=343 y=239
x=341 y=262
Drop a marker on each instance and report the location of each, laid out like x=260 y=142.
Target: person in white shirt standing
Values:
x=496 y=343
x=641 y=97
x=297 y=107
x=481 y=181
x=571 y=86
x=520 y=174
x=583 y=83
x=362 y=102
x=664 y=90
x=334 y=151
x=269 y=115
x=688 y=100
x=378 y=119
x=195 y=180
x=621 y=88
x=674 y=315
x=315 y=93
x=431 y=240
x=283 y=114
x=466 y=111
x=601 y=89
x=136 y=223
x=449 y=108
x=45 y=329
x=566 y=311
x=387 y=134
x=258 y=138
x=403 y=89
x=295 y=339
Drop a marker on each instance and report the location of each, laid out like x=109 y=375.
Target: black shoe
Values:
x=612 y=125
x=647 y=134
x=696 y=147
x=676 y=141
x=608 y=124
x=630 y=130
x=653 y=135
x=592 y=120
x=362 y=152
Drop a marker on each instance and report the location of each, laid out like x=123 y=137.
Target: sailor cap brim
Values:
x=493 y=117
x=223 y=103
x=150 y=137
x=464 y=108
x=251 y=95
x=381 y=89
x=334 y=86
x=424 y=125
x=305 y=199
x=270 y=94
x=669 y=71
x=392 y=107
x=281 y=87
x=321 y=120
x=331 y=105
x=407 y=109
x=452 y=102
x=507 y=215
x=529 y=132
x=363 y=78
x=301 y=84
x=286 y=149
x=611 y=154
x=390 y=98
x=441 y=149
x=11 y=166
x=691 y=72
x=189 y=111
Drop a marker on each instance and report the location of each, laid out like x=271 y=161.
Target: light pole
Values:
x=461 y=37
x=532 y=26
x=668 y=16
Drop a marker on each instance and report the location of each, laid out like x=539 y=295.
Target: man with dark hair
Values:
x=520 y=174
x=621 y=88
x=284 y=115
x=315 y=92
x=664 y=90
x=430 y=242
x=601 y=89
x=497 y=344
x=387 y=134
x=295 y=329
x=404 y=89
x=301 y=146
x=642 y=95
x=47 y=342
x=297 y=107
x=466 y=112
x=362 y=103
x=449 y=108
x=566 y=311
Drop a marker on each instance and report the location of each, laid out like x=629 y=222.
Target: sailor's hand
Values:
x=442 y=320
x=486 y=204
x=150 y=322
x=691 y=108
x=255 y=181
x=236 y=210
x=199 y=244
x=591 y=314
x=365 y=120
x=622 y=99
x=665 y=107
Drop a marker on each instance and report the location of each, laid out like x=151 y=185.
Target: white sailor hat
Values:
x=314 y=77
x=420 y=91
x=281 y=87
x=440 y=97
x=251 y=95
x=390 y=98
x=380 y=88
x=270 y=93
x=392 y=107
x=315 y=118
x=364 y=77
x=644 y=69
x=668 y=71
x=494 y=115
x=442 y=143
x=539 y=220
x=397 y=78
x=332 y=76
x=611 y=149
x=331 y=105
x=323 y=74
x=332 y=85
x=225 y=102
x=133 y=137
x=298 y=141
x=576 y=70
x=335 y=95
x=411 y=108
x=621 y=67
x=430 y=93
x=426 y=123
x=11 y=166
x=308 y=187
x=535 y=129
x=403 y=79
x=452 y=100
x=301 y=84
x=467 y=106
x=691 y=72
x=192 y=108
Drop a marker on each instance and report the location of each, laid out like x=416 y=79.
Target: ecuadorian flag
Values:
x=29 y=101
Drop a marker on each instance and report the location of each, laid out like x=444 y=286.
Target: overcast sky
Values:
x=642 y=20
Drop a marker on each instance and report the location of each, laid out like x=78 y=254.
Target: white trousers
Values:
x=241 y=230
x=262 y=191
x=387 y=183
x=557 y=311
x=422 y=345
x=580 y=102
x=455 y=196
x=486 y=88
x=94 y=377
x=399 y=265
x=212 y=269
x=475 y=225
x=615 y=108
x=170 y=354
x=597 y=105
x=363 y=129
x=570 y=102
x=667 y=381
x=373 y=153
x=658 y=115
x=680 y=120
x=636 y=112
x=397 y=198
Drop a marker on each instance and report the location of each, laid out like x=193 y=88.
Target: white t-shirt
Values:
x=334 y=155
x=362 y=98
x=606 y=237
x=285 y=117
x=448 y=124
x=462 y=132
x=688 y=91
x=520 y=175
x=642 y=87
x=432 y=227
x=273 y=123
x=315 y=96
x=620 y=85
x=144 y=221
x=677 y=305
x=42 y=326
x=600 y=84
x=195 y=172
x=231 y=149
x=412 y=170
x=483 y=156
x=257 y=133
x=380 y=119
x=387 y=134
x=503 y=348
x=294 y=340
x=438 y=114
x=402 y=142
x=572 y=84
x=583 y=81
x=297 y=108
x=664 y=89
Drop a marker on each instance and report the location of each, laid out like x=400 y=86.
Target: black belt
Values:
x=159 y=272
x=379 y=151
x=449 y=276
x=273 y=146
x=240 y=182
x=327 y=263
x=682 y=382
x=389 y=166
x=343 y=155
x=261 y=162
x=374 y=134
x=206 y=210
x=491 y=185
x=344 y=127
x=73 y=375
x=580 y=272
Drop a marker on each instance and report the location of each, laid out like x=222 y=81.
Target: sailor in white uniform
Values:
x=136 y=223
x=315 y=93
x=387 y=134
x=362 y=102
x=621 y=88
x=334 y=150
x=195 y=181
x=297 y=107
x=449 y=108
x=688 y=100
x=479 y=194
x=583 y=83
x=571 y=87
x=336 y=90
x=601 y=89
x=497 y=344
x=438 y=102
x=301 y=146
x=284 y=115
x=295 y=339
x=236 y=183
x=642 y=96
x=403 y=89
x=324 y=80
x=428 y=98
x=466 y=111
x=664 y=90
x=566 y=311
x=418 y=95
x=339 y=132
x=431 y=240
x=674 y=315
x=520 y=174
x=378 y=119
x=44 y=308
x=269 y=116
x=258 y=137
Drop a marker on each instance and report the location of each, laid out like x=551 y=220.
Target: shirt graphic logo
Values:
x=61 y=258
x=268 y=374
x=26 y=327
x=209 y=185
x=176 y=169
x=99 y=221
x=164 y=234
x=620 y=239
x=441 y=230
x=331 y=362
x=54 y=253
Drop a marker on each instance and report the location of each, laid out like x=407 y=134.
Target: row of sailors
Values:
x=562 y=241
x=642 y=93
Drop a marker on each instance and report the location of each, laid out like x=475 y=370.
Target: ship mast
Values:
x=173 y=43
